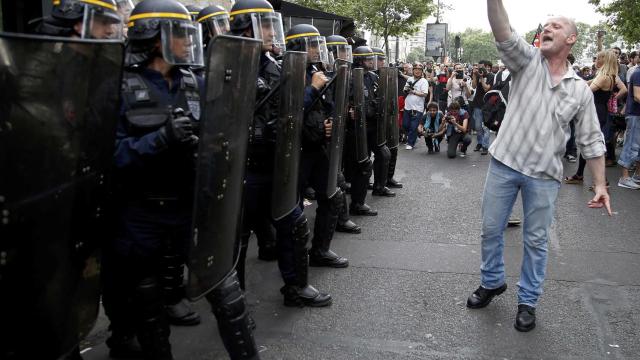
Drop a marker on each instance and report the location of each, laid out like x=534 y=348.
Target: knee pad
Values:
x=227 y=299
x=301 y=229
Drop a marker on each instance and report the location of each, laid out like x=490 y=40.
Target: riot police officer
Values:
x=358 y=171
x=83 y=19
x=376 y=142
x=340 y=53
x=154 y=158
x=257 y=19
x=193 y=11
x=391 y=182
x=316 y=133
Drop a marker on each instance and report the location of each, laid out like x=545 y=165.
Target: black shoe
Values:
x=392 y=183
x=362 y=210
x=513 y=221
x=307 y=296
x=484 y=151
x=182 y=314
x=526 y=318
x=478 y=147
x=309 y=193
x=348 y=227
x=384 y=191
x=123 y=347
x=482 y=297
x=319 y=258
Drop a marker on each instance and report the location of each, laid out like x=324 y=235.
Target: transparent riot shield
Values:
x=360 y=131
x=393 y=136
x=284 y=195
x=59 y=107
x=337 y=130
x=232 y=65
x=383 y=103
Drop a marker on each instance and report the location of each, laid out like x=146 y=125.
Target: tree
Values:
x=477 y=45
x=385 y=18
x=623 y=17
x=416 y=55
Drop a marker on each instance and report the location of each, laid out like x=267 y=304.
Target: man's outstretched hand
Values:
x=601 y=199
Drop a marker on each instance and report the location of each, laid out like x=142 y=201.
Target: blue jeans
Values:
x=410 y=121
x=486 y=137
x=631 y=147
x=478 y=125
x=538 y=202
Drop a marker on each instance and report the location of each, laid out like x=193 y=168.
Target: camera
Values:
x=409 y=87
x=482 y=71
x=459 y=74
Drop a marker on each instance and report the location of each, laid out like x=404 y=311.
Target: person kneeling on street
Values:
x=432 y=128
x=457 y=120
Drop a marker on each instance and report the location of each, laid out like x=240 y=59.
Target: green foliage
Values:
x=417 y=55
x=623 y=17
x=476 y=44
x=384 y=18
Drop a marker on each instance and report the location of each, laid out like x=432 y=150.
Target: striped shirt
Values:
x=534 y=133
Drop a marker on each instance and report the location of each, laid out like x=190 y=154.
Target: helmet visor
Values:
x=217 y=25
x=369 y=61
x=267 y=26
x=343 y=52
x=182 y=43
x=124 y=10
x=101 y=24
x=316 y=48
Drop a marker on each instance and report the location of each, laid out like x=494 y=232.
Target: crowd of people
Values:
x=479 y=93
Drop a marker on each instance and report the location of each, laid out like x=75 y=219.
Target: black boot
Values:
x=391 y=182
x=362 y=210
x=229 y=306
x=123 y=345
x=178 y=310
x=325 y=225
x=153 y=328
x=300 y=293
x=348 y=227
x=526 y=318
x=295 y=296
x=383 y=191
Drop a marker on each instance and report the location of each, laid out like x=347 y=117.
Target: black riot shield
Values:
x=284 y=195
x=231 y=71
x=360 y=123
x=337 y=130
x=383 y=103
x=59 y=107
x=392 y=118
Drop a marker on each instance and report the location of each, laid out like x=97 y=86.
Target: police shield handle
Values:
x=328 y=126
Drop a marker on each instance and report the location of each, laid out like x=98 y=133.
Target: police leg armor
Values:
x=344 y=222
x=300 y=293
x=391 y=182
x=229 y=307
x=178 y=309
x=359 y=189
x=381 y=171
x=153 y=327
x=266 y=240
x=325 y=226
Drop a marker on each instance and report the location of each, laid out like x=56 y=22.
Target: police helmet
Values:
x=214 y=20
x=380 y=56
x=259 y=17
x=339 y=48
x=363 y=56
x=305 y=37
x=193 y=11
x=100 y=18
x=170 y=21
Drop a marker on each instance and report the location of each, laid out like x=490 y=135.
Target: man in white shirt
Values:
x=417 y=90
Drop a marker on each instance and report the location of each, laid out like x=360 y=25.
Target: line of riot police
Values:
x=127 y=160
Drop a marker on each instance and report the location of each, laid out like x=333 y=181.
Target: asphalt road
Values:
x=412 y=268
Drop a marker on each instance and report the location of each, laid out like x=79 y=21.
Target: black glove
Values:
x=177 y=130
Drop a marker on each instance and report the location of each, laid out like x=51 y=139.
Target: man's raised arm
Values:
x=499 y=20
